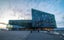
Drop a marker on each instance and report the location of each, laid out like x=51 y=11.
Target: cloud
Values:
x=21 y=9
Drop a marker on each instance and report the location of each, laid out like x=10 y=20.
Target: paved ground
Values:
x=13 y=35
x=43 y=36
x=26 y=35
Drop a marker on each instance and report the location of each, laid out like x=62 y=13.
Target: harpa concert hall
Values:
x=40 y=21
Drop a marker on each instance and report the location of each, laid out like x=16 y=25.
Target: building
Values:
x=43 y=20
x=21 y=24
x=40 y=21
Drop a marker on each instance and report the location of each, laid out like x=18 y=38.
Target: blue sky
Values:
x=21 y=9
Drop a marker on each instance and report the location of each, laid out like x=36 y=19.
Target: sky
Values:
x=21 y=9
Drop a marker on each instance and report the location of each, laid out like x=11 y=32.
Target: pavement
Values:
x=13 y=35
x=27 y=35
x=43 y=36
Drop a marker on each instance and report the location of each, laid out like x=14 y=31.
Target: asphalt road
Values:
x=26 y=35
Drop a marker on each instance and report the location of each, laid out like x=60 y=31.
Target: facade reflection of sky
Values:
x=21 y=9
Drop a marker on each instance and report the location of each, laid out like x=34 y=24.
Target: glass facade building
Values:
x=20 y=24
x=23 y=23
x=39 y=20
x=43 y=19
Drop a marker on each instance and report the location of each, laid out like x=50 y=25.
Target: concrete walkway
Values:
x=43 y=36
x=13 y=35
x=26 y=35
